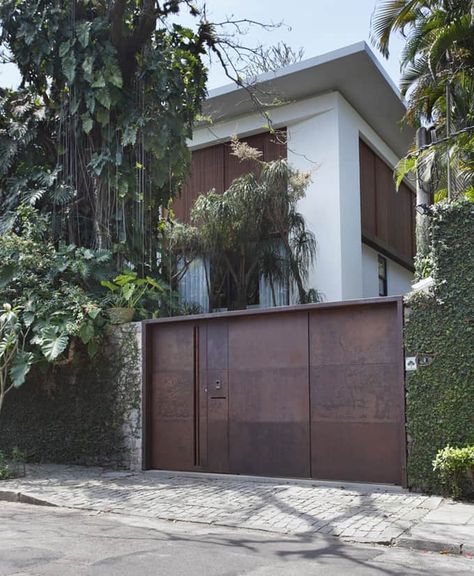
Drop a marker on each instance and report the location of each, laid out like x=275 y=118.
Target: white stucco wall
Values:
x=399 y=279
x=323 y=138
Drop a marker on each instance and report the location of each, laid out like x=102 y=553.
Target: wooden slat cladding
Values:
x=388 y=216
x=216 y=167
x=207 y=172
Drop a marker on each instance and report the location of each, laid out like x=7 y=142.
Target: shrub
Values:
x=5 y=471
x=455 y=469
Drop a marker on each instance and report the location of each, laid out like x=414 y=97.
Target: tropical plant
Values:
x=49 y=295
x=437 y=66
x=109 y=94
x=252 y=229
x=127 y=290
x=15 y=359
x=96 y=134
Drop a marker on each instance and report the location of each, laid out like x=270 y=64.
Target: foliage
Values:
x=15 y=360
x=252 y=229
x=455 y=468
x=97 y=133
x=438 y=59
x=75 y=412
x=6 y=471
x=49 y=299
x=441 y=323
x=128 y=290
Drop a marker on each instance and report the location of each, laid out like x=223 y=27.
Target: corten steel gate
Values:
x=311 y=391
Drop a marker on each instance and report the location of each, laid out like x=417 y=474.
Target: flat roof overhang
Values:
x=354 y=71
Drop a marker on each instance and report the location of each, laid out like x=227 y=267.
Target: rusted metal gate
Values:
x=311 y=391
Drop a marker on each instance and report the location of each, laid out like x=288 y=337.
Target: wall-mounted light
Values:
x=424 y=209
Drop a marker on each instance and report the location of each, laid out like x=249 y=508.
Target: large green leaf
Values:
x=53 y=345
x=69 y=66
x=87 y=123
x=83 y=33
x=7 y=273
x=20 y=368
x=87 y=332
x=104 y=98
x=99 y=81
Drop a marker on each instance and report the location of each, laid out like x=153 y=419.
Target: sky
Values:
x=317 y=26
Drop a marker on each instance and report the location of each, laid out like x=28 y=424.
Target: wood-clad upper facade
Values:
x=215 y=167
x=388 y=215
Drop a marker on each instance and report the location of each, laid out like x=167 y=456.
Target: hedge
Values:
x=440 y=396
x=75 y=414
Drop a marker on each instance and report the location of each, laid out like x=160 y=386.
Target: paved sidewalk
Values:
x=365 y=515
x=356 y=514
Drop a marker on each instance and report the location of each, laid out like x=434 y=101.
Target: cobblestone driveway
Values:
x=354 y=515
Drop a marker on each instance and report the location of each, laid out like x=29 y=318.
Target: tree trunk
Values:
x=423 y=198
x=272 y=288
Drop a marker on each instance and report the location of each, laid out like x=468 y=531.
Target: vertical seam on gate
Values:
x=310 y=428
x=404 y=452
x=228 y=396
x=145 y=400
x=197 y=439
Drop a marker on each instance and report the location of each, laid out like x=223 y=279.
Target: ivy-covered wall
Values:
x=86 y=412
x=440 y=396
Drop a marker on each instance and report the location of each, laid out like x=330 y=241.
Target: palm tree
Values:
x=253 y=229
x=437 y=66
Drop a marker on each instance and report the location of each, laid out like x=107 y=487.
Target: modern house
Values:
x=340 y=114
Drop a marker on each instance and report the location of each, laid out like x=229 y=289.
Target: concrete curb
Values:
x=11 y=496
x=406 y=542
x=411 y=543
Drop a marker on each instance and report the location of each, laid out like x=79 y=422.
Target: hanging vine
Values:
x=119 y=88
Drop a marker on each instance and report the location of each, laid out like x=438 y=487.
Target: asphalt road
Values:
x=57 y=542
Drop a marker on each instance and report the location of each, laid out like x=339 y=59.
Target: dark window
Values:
x=382 y=262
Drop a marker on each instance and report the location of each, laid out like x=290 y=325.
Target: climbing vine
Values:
x=81 y=412
x=441 y=324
